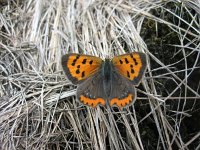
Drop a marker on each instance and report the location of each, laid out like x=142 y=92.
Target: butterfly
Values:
x=109 y=81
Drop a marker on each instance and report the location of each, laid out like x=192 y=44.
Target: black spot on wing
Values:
x=121 y=62
x=77 y=71
x=126 y=60
x=83 y=74
x=84 y=61
x=134 y=59
x=74 y=61
x=128 y=74
x=132 y=71
x=131 y=56
x=136 y=63
x=91 y=61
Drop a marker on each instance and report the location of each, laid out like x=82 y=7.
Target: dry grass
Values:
x=38 y=109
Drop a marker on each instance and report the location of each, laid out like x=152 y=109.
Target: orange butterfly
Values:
x=109 y=81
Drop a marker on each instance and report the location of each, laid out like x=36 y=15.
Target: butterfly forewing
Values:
x=79 y=67
x=131 y=66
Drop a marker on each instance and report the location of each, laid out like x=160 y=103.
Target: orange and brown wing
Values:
x=123 y=102
x=90 y=92
x=79 y=67
x=132 y=66
x=123 y=91
x=129 y=69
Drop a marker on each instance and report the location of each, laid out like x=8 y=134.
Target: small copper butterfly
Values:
x=105 y=81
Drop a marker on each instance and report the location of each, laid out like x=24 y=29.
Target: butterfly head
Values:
x=107 y=60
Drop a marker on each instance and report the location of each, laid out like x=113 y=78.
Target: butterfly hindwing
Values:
x=79 y=67
x=90 y=92
x=131 y=66
x=123 y=92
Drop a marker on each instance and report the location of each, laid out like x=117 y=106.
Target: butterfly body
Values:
x=106 y=72
x=108 y=81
